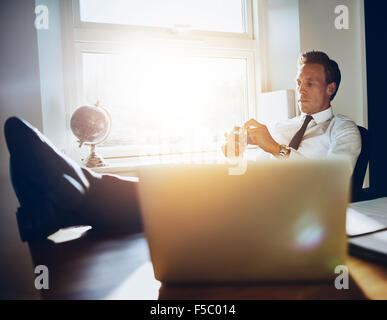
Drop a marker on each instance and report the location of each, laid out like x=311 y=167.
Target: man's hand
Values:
x=259 y=135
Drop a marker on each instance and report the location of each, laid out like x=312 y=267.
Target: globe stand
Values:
x=94 y=160
x=92 y=126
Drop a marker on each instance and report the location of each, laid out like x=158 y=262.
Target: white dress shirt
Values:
x=326 y=135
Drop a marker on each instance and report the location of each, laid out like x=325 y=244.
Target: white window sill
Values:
x=127 y=166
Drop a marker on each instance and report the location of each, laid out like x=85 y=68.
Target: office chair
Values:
x=358 y=193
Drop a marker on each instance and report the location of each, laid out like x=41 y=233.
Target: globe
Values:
x=90 y=124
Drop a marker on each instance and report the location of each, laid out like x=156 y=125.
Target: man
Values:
x=320 y=133
x=54 y=192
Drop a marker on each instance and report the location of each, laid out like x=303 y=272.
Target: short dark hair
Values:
x=332 y=71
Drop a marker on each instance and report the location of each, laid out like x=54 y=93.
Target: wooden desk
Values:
x=118 y=267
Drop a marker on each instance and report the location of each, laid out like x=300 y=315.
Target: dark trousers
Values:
x=111 y=203
x=53 y=192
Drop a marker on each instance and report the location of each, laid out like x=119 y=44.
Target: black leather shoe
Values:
x=50 y=186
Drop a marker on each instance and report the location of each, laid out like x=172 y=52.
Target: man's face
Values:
x=313 y=93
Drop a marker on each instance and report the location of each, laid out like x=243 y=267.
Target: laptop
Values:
x=279 y=221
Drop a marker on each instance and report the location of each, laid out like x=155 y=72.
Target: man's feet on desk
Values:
x=49 y=185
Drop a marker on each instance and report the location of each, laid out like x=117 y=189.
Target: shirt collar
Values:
x=321 y=116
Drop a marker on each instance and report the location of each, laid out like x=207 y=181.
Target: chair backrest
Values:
x=361 y=166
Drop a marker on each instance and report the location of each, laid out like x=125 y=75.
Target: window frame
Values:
x=88 y=37
x=164 y=31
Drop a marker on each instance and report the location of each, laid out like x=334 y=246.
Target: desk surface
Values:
x=119 y=267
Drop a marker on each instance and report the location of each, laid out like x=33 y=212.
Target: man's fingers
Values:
x=251 y=131
x=251 y=123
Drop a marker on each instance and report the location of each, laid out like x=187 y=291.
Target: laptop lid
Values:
x=280 y=220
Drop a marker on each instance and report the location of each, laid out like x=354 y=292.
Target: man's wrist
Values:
x=284 y=151
x=276 y=150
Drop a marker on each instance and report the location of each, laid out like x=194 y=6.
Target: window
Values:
x=174 y=74
x=213 y=15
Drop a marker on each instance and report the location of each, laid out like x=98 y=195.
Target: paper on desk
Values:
x=68 y=234
x=366 y=216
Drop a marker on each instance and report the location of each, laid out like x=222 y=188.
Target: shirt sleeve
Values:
x=294 y=154
x=345 y=141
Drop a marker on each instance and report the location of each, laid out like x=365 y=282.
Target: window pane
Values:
x=214 y=15
x=185 y=102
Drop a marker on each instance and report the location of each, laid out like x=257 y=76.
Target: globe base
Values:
x=94 y=160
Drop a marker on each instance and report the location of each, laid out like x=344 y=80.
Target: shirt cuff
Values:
x=294 y=154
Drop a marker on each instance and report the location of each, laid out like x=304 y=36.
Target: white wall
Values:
x=283 y=43
x=20 y=96
x=51 y=75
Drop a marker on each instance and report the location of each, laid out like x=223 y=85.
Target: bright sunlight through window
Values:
x=181 y=103
x=167 y=91
x=214 y=15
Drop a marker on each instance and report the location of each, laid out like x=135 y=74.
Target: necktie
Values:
x=296 y=140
